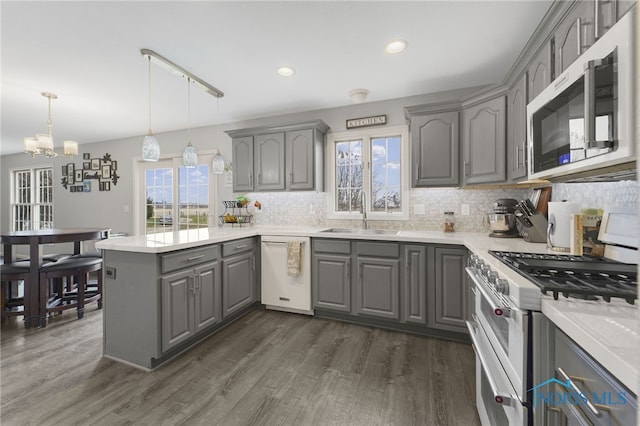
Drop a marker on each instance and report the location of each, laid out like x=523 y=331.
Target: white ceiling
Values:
x=88 y=53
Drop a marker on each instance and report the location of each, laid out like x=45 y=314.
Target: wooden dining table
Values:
x=34 y=315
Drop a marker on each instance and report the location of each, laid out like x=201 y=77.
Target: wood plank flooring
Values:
x=268 y=368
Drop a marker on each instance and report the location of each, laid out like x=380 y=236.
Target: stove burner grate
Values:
x=575 y=276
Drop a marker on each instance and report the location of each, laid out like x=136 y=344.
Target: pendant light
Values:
x=189 y=155
x=150 y=147
x=217 y=165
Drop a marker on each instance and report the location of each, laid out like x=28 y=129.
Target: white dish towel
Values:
x=294 y=258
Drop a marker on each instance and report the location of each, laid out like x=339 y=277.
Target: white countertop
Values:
x=607 y=331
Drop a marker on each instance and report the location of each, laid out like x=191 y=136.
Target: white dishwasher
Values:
x=281 y=291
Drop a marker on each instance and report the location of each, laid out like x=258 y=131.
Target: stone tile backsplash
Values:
x=310 y=208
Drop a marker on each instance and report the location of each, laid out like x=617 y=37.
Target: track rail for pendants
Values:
x=177 y=69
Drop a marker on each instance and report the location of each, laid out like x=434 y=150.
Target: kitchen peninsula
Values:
x=142 y=273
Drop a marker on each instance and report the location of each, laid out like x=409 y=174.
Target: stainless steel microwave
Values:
x=583 y=121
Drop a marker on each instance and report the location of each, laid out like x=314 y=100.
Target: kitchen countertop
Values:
x=607 y=331
x=590 y=324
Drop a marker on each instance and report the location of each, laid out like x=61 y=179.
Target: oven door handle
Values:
x=499 y=397
x=499 y=311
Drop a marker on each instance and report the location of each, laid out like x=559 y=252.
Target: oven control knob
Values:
x=492 y=277
x=502 y=286
x=485 y=269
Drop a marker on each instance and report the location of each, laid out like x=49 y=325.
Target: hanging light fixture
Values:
x=217 y=165
x=150 y=147
x=189 y=155
x=42 y=143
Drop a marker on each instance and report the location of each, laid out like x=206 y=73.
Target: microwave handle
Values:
x=590 y=104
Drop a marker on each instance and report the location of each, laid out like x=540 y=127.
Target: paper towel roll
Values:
x=560 y=223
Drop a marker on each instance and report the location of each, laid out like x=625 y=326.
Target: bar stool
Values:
x=67 y=296
x=12 y=303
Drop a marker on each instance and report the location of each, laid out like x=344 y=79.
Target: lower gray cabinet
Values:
x=331 y=281
x=414 y=284
x=190 y=302
x=448 y=289
x=238 y=282
x=377 y=287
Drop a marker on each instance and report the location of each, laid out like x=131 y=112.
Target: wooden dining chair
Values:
x=12 y=275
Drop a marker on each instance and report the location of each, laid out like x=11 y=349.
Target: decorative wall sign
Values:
x=376 y=120
x=102 y=170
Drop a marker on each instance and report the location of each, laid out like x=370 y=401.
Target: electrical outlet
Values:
x=464 y=209
x=419 y=209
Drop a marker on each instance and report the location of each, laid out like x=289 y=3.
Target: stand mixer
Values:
x=502 y=221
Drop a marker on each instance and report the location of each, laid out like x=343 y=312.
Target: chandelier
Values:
x=42 y=143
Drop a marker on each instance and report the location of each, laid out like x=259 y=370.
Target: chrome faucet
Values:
x=364 y=211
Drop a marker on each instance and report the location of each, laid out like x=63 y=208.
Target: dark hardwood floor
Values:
x=268 y=368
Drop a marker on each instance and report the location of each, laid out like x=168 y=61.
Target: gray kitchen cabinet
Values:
x=448 y=289
x=300 y=159
x=622 y=7
x=242 y=165
x=484 y=140
x=574 y=35
x=190 y=302
x=540 y=71
x=269 y=162
x=414 y=282
x=435 y=149
x=238 y=283
x=517 y=130
x=377 y=290
x=287 y=157
x=331 y=274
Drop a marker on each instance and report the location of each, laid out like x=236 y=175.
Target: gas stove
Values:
x=575 y=276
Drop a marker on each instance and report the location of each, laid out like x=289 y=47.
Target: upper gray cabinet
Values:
x=540 y=71
x=484 y=141
x=242 y=170
x=285 y=157
x=435 y=148
x=269 y=162
x=574 y=35
x=517 y=130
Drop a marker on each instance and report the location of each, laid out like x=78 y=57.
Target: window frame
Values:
x=367 y=135
x=173 y=161
x=36 y=204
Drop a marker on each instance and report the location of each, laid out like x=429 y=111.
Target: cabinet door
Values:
x=449 y=290
x=269 y=151
x=573 y=36
x=540 y=72
x=207 y=300
x=177 y=308
x=242 y=157
x=377 y=287
x=484 y=136
x=331 y=282
x=435 y=149
x=517 y=130
x=238 y=283
x=300 y=159
x=414 y=298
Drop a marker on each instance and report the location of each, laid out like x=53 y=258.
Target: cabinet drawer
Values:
x=237 y=246
x=616 y=404
x=186 y=258
x=372 y=248
x=332 y=246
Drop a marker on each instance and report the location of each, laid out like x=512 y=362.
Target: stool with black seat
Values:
x=10 y=273
x=76 y=293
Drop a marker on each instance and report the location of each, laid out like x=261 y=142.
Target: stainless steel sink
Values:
x=362 y=231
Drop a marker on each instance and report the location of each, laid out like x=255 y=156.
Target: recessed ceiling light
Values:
x=396 y=46
x=286 y=71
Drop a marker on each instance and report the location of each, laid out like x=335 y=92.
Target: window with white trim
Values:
x=32 y=199
x=371 y=162
x=175 y=197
